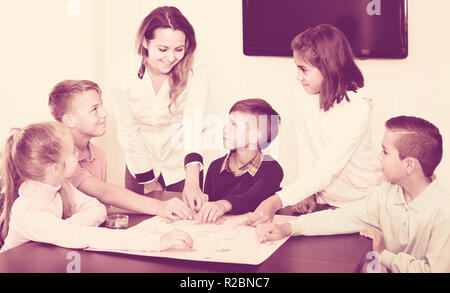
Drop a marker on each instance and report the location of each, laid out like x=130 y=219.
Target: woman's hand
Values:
x=193 y=197
x=192 y=194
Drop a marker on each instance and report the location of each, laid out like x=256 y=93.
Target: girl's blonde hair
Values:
x=26 y=156
x=169 y=17
x=326 y=48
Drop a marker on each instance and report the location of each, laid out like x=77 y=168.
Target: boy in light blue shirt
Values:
x=408 y=219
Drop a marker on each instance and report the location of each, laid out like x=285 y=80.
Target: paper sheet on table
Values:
x=227 y=242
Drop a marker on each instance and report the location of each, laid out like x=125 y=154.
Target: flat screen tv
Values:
x=374 y=28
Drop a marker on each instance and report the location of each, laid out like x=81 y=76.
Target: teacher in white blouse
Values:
x=160 y=99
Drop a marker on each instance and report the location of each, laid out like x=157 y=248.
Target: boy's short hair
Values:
x=418 y=139
x=264 y=113
x=61 y=96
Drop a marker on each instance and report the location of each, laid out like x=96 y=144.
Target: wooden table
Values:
x=300 y=254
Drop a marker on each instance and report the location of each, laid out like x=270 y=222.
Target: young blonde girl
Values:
x=337 y=161
x=38 y=204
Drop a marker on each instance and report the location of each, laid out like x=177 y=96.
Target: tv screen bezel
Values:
x=401 y=53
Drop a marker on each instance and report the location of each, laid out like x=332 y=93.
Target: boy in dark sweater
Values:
x=239 y=181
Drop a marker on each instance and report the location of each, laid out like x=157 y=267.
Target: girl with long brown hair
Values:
x=333 y=110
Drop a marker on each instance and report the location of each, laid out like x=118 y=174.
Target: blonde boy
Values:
x=408 y=218
x=78 y=104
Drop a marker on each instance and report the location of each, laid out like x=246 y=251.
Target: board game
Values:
x=228 y=241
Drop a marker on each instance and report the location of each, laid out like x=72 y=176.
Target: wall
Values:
x=41 y=45
x=45 y=45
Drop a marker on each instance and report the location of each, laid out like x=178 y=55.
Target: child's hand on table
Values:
x=265 y=212
x=176 y=239
x=271 y=231
x=175 y=209
x=212 y=211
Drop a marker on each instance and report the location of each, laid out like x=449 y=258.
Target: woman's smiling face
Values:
x=165 y=50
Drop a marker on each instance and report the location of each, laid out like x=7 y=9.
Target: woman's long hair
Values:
x=326 y=48
x=169 y=17
x=27 y=154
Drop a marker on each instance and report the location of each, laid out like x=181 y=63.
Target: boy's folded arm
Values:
x=437 y=256
x=118 y=196
x=404 y=263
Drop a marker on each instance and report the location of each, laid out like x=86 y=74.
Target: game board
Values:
x=227 y=241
